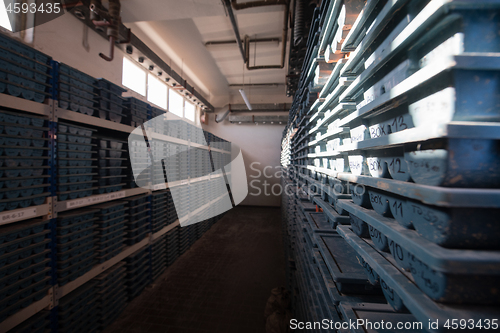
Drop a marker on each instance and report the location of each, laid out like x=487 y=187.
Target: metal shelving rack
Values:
x=52 y=207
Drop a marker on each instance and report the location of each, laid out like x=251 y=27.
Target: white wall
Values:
x=260 y=146
x=63 y=39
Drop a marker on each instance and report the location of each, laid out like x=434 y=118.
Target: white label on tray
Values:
x=340 y=165
x=358 y=133
x=375 y=166
x=453 y=46
x=356 y=164
x=17 y=215
x=437 y=108
x=95 y=199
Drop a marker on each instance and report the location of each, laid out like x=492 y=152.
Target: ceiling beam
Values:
x=279 y=107
x=256 y=84
x=232 y=41
x=82 y=11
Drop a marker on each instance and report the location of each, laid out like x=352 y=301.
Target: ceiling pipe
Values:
x=256 y=40
x=229 y=9
x=269 y=107
x=128 y=40
x=256 y=84
x=283 y=38
x=253 y=4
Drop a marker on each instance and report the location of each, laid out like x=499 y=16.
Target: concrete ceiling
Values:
x=179 y=30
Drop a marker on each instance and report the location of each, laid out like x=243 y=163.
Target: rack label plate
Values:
x=94 y=200
x=17 y=215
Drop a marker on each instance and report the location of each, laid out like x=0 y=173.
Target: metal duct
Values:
x=274 y=120
x=224 y=116
x=299 y=22
x=252 y=4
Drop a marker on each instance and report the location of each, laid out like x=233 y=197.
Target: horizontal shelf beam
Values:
x=95 y=199
x=22 y=104
x=183 y=182
x=25 y=314
x=165 y=230
x=90 y=120
x=21 y=214
x=199 y=209
x=66 y=289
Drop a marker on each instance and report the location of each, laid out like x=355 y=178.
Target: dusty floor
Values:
x=221 y=284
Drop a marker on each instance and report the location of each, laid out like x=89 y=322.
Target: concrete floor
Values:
x=221 y=284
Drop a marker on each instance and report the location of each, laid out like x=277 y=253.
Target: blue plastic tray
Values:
x=76 y=271
x=112 y=153
x=62 y=248
x=351 y=312
x=76 y=216
x=75 y=129
x=77 y=311
x=336 y=296
x=13 y=232
x=39 y=323
x=318 y=223
x=116 y=117
x=75 y=103
x=74 y=256
x=76 y=296
x=111 y=188
x=23 y=253
x=68 y=70
x=111 y=244
x=20 y=264
x=444 y=267
x=35 y=296
x=403 y=293
x=111 y=180
x=74 y=146
x=111 y=162
x=111 y=143
x=75 y=194
x=24 y=273
x=138 y=216
x=111 y=252
x=77 y=224
x=334 y=218
x=75 y=235
x=109 y=208
x=138 y=223
x=109 y=275
x=110 y=232
x=22 y=288
x=81 y=178
x=23 y=242
x=137 y=208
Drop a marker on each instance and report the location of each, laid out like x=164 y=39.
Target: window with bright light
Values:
x=189 y=111
x=157 y=91
x=134 y=77
x=175 y=103
x=4 y=17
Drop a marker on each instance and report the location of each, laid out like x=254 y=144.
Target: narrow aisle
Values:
x=221 y=284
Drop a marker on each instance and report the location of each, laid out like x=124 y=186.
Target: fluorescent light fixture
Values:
x=249 y=106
